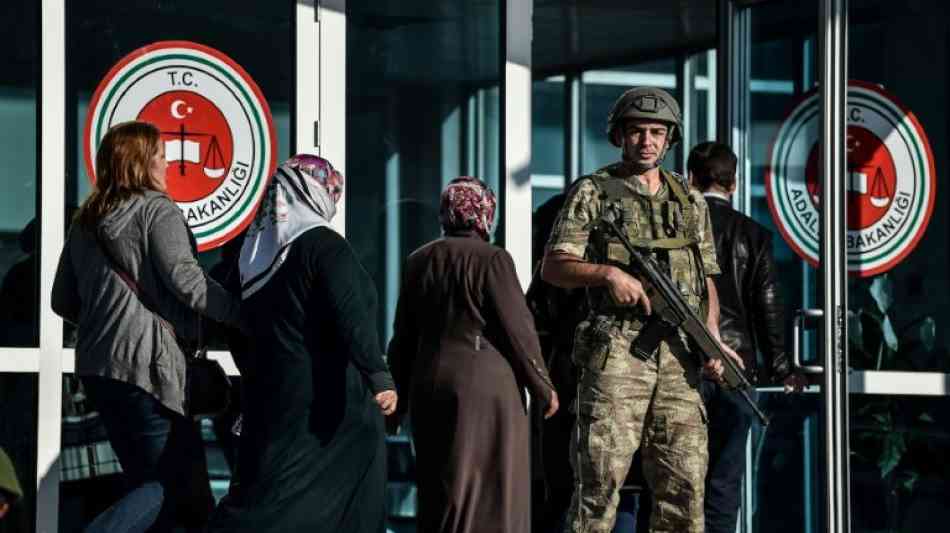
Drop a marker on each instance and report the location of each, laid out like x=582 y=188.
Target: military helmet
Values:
x=647 y=103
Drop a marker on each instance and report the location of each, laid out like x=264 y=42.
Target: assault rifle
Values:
x=670 y=311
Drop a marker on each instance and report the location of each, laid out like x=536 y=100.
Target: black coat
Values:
x=750 y=300
x=312 y=450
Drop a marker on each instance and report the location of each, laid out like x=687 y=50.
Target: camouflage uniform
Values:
x=624 y=401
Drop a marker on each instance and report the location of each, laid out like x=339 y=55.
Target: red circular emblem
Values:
x=198 y=142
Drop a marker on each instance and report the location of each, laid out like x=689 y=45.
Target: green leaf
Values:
x=890 y=336
x=894 y=448
x=882 y=290
x=855 y=329
x=884 y=419
x=928 y=333
x=911 y=480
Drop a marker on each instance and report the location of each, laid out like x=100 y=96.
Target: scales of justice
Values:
x=183 y=149
x=186 y=147
x=858 y=177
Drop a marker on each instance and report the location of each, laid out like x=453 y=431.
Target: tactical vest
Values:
x=668 y=229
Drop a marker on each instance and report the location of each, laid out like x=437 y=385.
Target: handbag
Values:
x=207 y=386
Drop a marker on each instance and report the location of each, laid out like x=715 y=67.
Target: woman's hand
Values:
x=553 y=405
x=387 y=401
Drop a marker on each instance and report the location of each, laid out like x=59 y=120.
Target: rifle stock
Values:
x=672 y=311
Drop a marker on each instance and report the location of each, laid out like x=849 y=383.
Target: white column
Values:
x=52 y=201
x=307 y=90
x=517 y=135
x=688 y=75
x=711 y=85
x=331 y=79
x=574 y=125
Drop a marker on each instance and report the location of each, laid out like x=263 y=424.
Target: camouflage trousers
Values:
x=624 y=403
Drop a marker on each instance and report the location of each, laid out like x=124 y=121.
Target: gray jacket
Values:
x=117 y=336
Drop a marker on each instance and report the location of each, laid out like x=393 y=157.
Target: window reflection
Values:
x=19 y=397
x=423 y=108
x=98 y=35
x=19 y=270
x=907 y=332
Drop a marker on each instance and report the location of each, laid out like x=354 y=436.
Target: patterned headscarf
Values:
x=467 y=204
x=301 y=195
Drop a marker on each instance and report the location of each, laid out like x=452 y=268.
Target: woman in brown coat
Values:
x=464 y=347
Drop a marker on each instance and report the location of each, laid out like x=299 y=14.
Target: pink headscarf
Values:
x=301 y=195
x=467 y=204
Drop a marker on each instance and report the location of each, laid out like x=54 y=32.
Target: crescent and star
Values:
x=176 y=109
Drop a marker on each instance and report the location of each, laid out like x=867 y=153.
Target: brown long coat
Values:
x=464 y=347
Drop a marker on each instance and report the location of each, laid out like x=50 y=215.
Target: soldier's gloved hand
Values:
x=553 y=405
x=626 y=289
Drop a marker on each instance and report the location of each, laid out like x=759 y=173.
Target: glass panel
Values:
x=900 y=471
x=547 y=139
x=787 y=465
x=98 y=36
x=897 y=154
x=19 y=268
x=19 y=398
x=702 y=118
x=782 y=69
x=414 y=125
x=548 y=131
x=784 y=489
x=91 y=474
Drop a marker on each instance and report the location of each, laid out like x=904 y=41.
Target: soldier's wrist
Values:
x=609 y=275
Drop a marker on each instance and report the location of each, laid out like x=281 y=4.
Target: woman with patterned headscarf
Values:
x=463 y=349
x=312 y=451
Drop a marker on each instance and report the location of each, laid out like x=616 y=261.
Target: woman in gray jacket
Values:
x=127 y=351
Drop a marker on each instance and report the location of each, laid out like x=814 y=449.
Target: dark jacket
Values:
x=750 y=301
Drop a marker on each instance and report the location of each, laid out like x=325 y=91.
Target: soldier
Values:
x=623 y=401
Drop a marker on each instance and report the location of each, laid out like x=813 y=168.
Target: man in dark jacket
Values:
x=751 y=322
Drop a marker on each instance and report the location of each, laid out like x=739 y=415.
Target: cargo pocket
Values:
x=592 y=343
x=592 y=450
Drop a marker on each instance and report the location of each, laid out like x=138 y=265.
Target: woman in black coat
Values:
x=312 y=451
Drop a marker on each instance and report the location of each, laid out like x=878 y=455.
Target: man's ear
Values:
x=617 y=137
x=4 y=507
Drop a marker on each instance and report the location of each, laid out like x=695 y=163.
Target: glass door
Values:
x=231 y=101
x=782 y=95
x=897 y=148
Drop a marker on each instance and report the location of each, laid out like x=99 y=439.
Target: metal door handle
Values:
x=800 y=316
